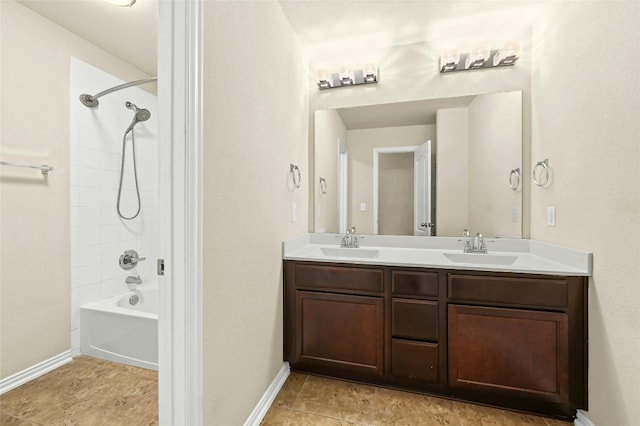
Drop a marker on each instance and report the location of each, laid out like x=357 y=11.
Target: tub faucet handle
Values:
x=130 y=259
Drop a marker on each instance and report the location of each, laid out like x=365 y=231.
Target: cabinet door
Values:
x=518 y=352
x=338 y=331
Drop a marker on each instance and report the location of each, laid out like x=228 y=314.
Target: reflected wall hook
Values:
x=323 y=186
x=514 y=179
x=295 y=175
x=544 y=175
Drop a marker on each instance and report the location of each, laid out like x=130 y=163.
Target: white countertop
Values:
x=504 y=255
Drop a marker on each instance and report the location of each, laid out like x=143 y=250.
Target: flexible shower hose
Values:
x=135 y=174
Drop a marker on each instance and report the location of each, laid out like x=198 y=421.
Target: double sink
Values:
x=463 y=258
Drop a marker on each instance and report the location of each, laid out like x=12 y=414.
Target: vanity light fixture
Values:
x=477 y=57
x=324 y=79
x=481 y=57
x=508 y=54
x=347 y=76
x=449 y=60
x=123 y=3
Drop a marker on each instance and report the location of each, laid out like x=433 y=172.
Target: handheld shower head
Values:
x=140 y=115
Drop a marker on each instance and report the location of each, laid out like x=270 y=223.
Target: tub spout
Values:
x=133 y=280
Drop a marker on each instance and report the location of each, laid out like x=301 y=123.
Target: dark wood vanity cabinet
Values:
x=512 y=340
x=334 y=317
x=416 y=351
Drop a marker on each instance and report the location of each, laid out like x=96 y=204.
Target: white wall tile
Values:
x=84 y=176
x=110 y=270
x=85 y=216
x=110 y=234
x=82 y=236
x=85 y=256
x=84 y=196
x=98 y=235
x=84 y=157
x=85 y=275
x=85 y=294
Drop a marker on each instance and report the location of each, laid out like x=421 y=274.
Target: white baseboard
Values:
x=582 y=420
x=33 y=372
x=269 y=395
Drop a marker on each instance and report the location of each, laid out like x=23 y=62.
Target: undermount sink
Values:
x=350 y=252
x=481 y=258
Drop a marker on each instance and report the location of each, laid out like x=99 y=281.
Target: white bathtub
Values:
x=120 y=330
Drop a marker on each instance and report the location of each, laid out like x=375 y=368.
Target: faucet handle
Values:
x=353 y=229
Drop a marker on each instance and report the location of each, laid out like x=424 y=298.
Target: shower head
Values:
x=141 y=115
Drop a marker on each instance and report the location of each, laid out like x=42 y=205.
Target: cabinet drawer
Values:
x=339 y=277
x=517 y=291
x=414 y=360
x=415 y=319
x=414 y=283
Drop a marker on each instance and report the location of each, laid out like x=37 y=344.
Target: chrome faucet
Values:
x=350 y=240
x=133 y=280
x=475 y=245
x=130 y=259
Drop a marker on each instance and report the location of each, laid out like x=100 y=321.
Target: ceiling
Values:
x=322 y=27
x=398 y=114
x=129 y=33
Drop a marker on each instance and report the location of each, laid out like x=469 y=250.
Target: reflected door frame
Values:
x=343 y=186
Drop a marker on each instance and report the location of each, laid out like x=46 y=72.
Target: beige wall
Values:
x=255 y=124
x=586 y=121
x=361 y=143
x=395 y=203
x=452 y=210
x=582 y=114
x=34 y=212
x=495 y=148
x=329 y=129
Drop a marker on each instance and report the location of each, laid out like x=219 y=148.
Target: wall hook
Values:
x=295 y=175
x=544 y=175
x=323 y=186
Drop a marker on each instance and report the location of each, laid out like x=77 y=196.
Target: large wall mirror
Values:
x=431 y=168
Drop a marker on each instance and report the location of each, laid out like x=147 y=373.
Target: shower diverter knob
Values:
x=130 y=259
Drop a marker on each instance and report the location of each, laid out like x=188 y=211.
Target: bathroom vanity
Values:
x=509 y=332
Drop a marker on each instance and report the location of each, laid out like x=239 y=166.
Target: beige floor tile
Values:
x=554 y=422
x=6 y=420
x=404 y=408
x=276 y=416
x=299 y=418
x=337 y=399
x=519 y=419
x=290 y=390
x=86 y=392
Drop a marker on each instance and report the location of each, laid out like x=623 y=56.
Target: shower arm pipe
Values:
x=92 y=101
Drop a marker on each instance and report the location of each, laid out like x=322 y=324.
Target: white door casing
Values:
x=422 y=225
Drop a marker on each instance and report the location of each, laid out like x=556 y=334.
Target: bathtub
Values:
x=123 y=329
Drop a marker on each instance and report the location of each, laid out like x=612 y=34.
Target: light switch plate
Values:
x=551 y=216
x=363 y=207
x=294 y=213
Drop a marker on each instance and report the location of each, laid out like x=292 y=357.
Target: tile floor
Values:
x=93 y=392
x=311 y=400
x=85 y=392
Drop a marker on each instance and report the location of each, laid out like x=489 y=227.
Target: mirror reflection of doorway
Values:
x=395 y=180
x=402 y=190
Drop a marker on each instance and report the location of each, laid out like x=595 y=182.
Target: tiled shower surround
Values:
x=98 y=235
